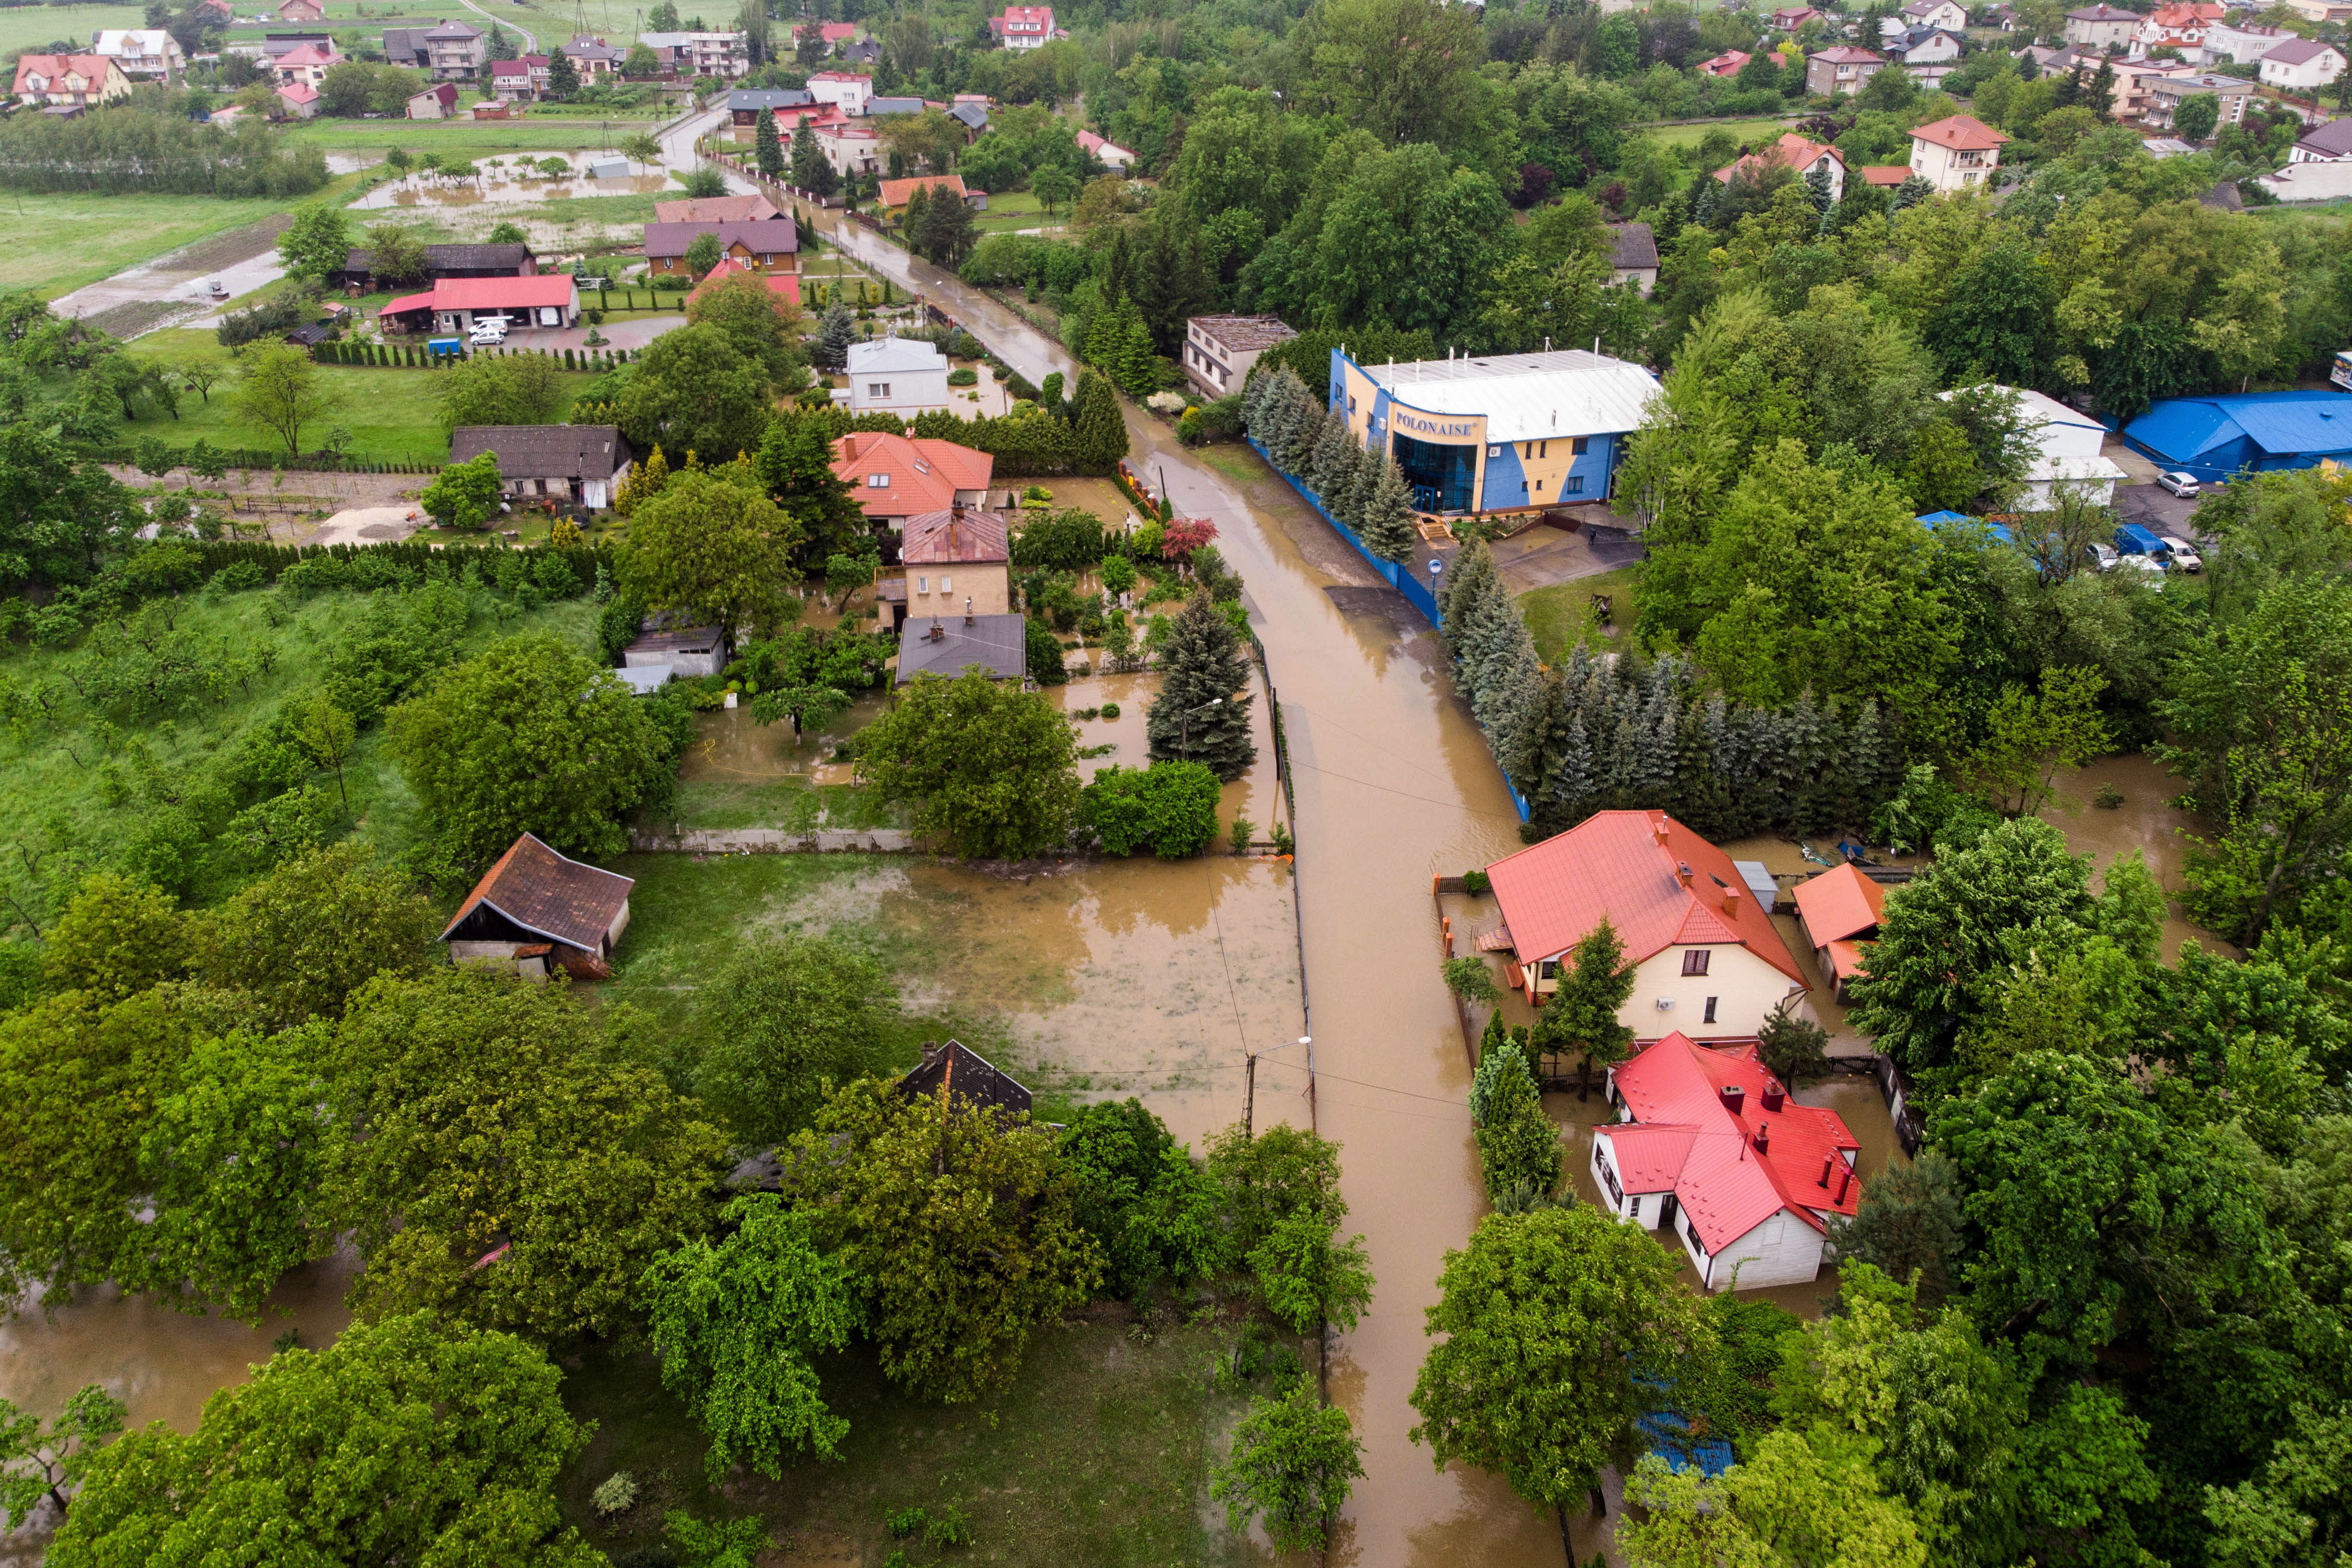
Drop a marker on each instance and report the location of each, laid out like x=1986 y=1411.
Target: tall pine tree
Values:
x=1100 y=431
x=1388 y=526
x=562 y=77
x=811 y=170
x=766 y=149
x=1205 y=666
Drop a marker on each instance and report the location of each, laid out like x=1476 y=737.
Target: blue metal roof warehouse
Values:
x=2214 y=438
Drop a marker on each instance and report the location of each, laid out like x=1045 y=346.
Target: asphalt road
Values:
x=2156 y=509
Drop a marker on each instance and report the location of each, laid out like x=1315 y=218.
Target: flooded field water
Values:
x=514 y=181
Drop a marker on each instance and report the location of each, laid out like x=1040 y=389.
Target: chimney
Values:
x=967 y=609
x=1682 y=872
x=1774 y=1095
x=1763 y=1140
x=955 y=512
x=1658 y=827
x=1731 y=901
x=1845 y=1182
x=1734 y=1098
x=1827 y=1161
x=938 y=633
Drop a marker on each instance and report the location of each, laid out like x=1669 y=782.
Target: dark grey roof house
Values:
x=1633 y=254
x=997 y=644
x=448 y=261
x=972 y=114
x=963 y=1073
x=878 y=106
x=746 y=104
x=578 y=463
x=407 y=46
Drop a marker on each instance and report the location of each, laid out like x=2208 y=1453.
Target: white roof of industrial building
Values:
x=1528 y=397
x=894 y=354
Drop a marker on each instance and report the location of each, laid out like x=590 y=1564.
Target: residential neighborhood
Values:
x=1374 y=782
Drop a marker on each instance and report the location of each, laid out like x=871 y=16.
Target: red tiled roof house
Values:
x=1711 y=1149
x=1708 y=960
x=538 y=910
x=70 y=81
x=901 y=476
x=956 y=562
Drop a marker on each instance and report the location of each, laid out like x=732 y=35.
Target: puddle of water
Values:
x=2146 y=821
x=508 y=185
x=164 y=1364
x=730 y=748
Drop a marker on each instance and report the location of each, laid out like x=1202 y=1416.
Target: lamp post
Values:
x=1435 y=568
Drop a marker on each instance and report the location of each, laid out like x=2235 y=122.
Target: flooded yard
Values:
x=517 y=178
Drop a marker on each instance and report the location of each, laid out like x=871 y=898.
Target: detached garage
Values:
x=547 y=299
x=2211 y=438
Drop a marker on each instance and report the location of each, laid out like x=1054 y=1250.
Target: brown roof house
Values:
x=954 y=563
x=1633 y=254
x=579 y=465
x=538 y=910
x=769 y=245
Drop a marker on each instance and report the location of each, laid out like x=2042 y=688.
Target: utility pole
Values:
x=1249 y=1094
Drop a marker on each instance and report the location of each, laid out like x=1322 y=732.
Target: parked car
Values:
x=2178 y=483
x=2146 y=565
x=2184 y=554
x=2102 y=557
x=219 y=290
x=487 y=333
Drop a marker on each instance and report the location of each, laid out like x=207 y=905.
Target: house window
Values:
x=1577 y=446
x=877 y=481
x=1351 y=403
x=1574 y=485
x=947 y=585
x=1710 y=1012
x=1694 y=960
x=922 y=585
x=1609 y=1175
x=877 y=389
x=1548 y=970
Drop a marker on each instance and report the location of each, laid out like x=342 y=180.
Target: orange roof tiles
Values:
x=960 y=536
x=1838 y=904
x=897 y=192
x=924 y=474
x=1961 y=133
x=549 y=894
x=1725 y=1183
x=1624 y=865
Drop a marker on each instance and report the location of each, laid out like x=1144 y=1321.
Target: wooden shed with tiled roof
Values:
x=538 y=910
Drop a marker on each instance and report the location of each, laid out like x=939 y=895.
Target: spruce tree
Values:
x=1323 y=457
x=562 y=77
x=1465 y=580
x=1338 y=487
x=1099 y=429
x=910 y=218
x=1204 y=665
x=766 y=149
x=1363 y=478
x=811 y=172
x=836 y=330
x=1302 y=419
x=1138 y=365
x=1388 y=526
x=1580 y=1018
x=1517 y=1145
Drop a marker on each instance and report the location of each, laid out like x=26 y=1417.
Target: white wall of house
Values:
x=1948 y=170
x=1745 y=987
x=2303 y=75
x=1784 y=1250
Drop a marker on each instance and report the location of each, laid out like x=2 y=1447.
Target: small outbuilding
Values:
x=678 y=650
x=963 y=1074
x=540 y=911
x=1840 y=910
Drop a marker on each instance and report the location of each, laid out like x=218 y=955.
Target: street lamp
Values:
x=1435 y=566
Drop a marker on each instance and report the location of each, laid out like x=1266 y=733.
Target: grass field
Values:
x=28 y=27
x=1560 y=617
x=76 y=780
x=468 y=138
x=1098 y=1454
x=390 y=413
x=1017 y=210
x=57 y=242
x=1692 y=135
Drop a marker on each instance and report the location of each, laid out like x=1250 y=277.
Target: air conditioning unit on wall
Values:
x=1666 y=1002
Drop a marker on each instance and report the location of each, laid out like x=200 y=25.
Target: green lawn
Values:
x=57 y=242
x=791 y=803
x=1018 y=209
x=1560 y=616
x=24 y=27
x=468 y=138
x=1692 y=135
x=392 y=414
x=1098 y=1454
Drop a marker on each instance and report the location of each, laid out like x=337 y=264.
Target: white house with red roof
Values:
x=1110 y=154
x=70 y=80
x=1955 y=153
x=307 y=64
x=1708 y=960
x=1710 y=1149
x=455 y=304
x=1025 y=26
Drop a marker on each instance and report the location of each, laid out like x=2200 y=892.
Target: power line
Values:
x=1454 y=805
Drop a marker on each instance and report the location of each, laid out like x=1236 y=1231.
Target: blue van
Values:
x=2133 y=540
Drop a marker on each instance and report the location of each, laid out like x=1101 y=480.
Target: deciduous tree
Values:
x=297 y=943
x=713 y=547
x=1294 y=1458
x=279 y=387
x=992 y=769
x=465 y=1430
x=785 y=1022
x=736 y=1323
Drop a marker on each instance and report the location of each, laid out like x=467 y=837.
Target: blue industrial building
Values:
x=2210 y=438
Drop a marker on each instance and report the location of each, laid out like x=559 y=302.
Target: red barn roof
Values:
x=1724 y=1181
x=1628 y=866
x=550 y=895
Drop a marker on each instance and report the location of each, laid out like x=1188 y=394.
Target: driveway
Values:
x=617 y=334
x=2156 y=509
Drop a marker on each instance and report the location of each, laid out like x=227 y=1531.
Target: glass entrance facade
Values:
x=1443 y=476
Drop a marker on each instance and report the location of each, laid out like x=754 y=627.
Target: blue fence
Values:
x=1416 y=592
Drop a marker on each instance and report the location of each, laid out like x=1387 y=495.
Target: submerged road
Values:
x=1394 y=785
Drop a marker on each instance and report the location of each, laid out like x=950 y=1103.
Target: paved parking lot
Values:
x=2156 y=509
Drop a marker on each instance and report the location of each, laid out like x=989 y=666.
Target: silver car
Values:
x=2102 y=557
x=2184 y=554
x=2178 y=483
